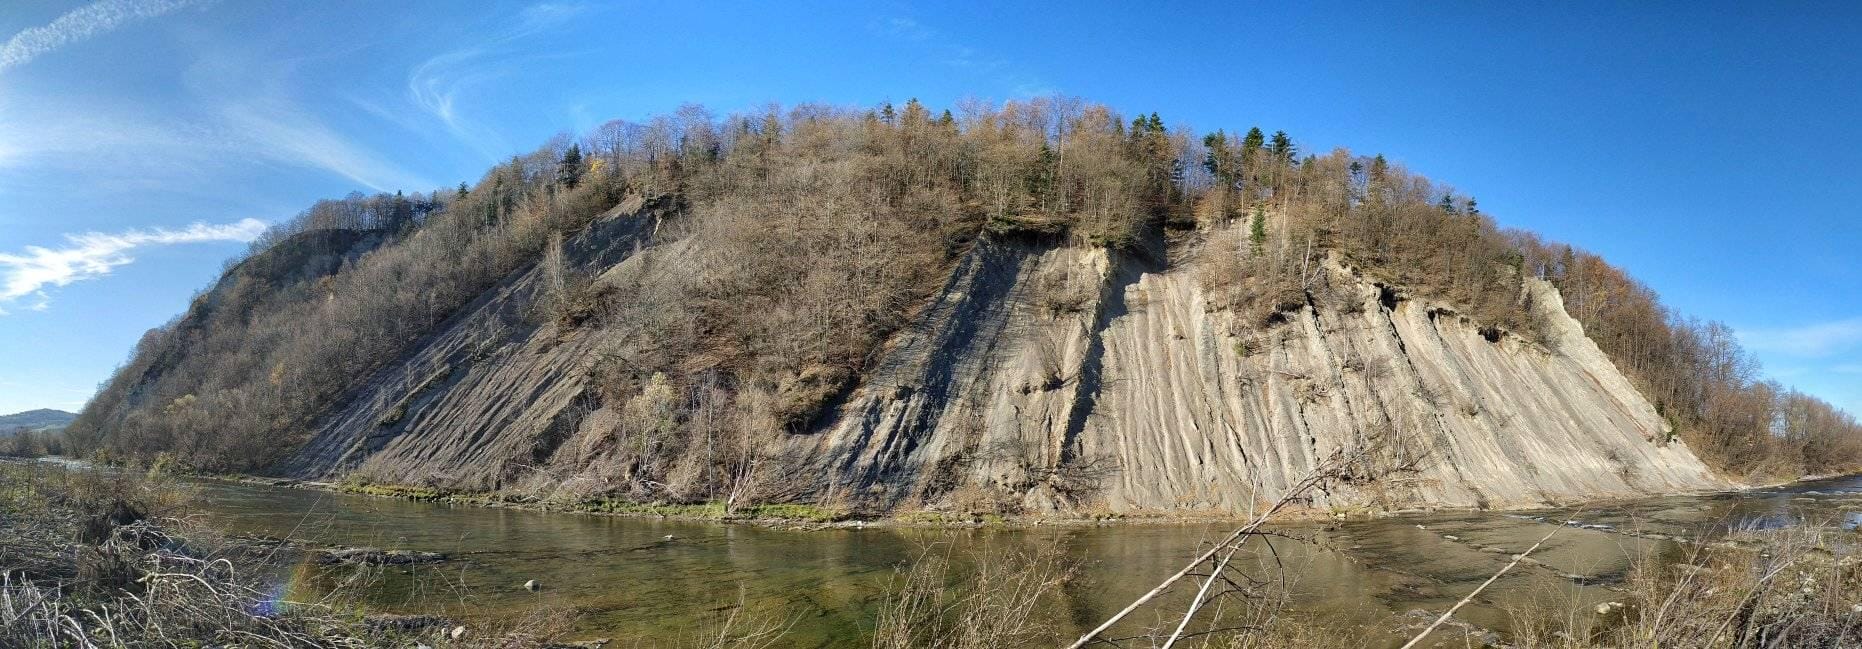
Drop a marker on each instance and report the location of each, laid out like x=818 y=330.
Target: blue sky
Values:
x=1713 y=151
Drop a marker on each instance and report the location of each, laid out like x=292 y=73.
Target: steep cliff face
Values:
x=1057 y=378
x=488 y=396
x=1065 y=379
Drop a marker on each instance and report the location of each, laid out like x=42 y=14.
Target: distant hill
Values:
x=41 y=419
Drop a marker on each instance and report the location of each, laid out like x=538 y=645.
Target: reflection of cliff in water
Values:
x=630 y=580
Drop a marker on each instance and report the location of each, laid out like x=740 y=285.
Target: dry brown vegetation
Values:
x=1697 y=375
x=790 y=244
x=1796 y=587
x=95 y=560
x=997 y=602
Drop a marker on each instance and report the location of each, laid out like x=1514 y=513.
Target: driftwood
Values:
x=1477 y=591
x=1318 y=475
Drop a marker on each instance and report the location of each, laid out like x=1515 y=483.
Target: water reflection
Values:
x=652 y=579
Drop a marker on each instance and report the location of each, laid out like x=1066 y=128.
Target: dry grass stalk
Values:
x=995 y=605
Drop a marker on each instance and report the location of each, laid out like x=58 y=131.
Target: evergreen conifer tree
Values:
x=569 y=172
x=1257 y=231
x=1282 y=147
x=1252 y=142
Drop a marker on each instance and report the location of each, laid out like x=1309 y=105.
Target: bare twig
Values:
x=1312 y=479
x=1477 y=590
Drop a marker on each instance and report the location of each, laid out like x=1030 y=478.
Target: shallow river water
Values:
x=628 y=581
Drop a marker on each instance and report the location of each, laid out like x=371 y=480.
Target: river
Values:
x=647 y=582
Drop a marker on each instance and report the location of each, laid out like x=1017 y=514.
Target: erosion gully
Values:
x=645 y=580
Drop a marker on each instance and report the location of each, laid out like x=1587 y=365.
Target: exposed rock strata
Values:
x=1146 y=399
x=1063 y=378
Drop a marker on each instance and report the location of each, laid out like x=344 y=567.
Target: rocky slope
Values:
x=487 y=396
x=1057 y=378
x=1142 y=397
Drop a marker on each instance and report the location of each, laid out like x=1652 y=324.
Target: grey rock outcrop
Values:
x=1057 y=378
x=1070 y=379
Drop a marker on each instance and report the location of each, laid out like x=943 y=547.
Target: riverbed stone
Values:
x=377 y=557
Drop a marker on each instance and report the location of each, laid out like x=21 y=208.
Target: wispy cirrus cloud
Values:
x=283 y=133
x=1816 y=340
x=253 y=105
x=437 y=84
x=28 y=274
x=82 y=23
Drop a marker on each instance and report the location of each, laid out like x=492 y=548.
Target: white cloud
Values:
x=95 y=254
x=280 y=132
x=437 y=84
x=82 y=23
x=1817 y=340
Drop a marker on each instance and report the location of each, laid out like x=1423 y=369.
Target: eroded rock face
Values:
x=1052 y=378
x=1133 y=394
x=485 y=399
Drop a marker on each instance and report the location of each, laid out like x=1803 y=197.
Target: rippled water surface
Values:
x=629 y=581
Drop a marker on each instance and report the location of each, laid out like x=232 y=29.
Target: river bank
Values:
x=1376 y=580
x=800 y=516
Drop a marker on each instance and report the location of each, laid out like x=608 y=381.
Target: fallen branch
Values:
x=1312 y=479
x=1477 y=590
x=1197 y=603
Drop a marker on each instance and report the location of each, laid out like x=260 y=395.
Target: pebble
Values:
x=458 y=632
x=531 y=586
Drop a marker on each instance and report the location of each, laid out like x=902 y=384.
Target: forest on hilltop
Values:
x=803 y=238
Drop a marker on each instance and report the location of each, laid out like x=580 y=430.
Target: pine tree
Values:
x=1473 y=208
x=1447 y=204
x=886 y=114
x=569 y=172
x=1257 y=231
x=462 y=189
x=1282 y=147
x=1252 y=142
x=1219 y=159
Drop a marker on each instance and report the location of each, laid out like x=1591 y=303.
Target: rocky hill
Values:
x=891 y=310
